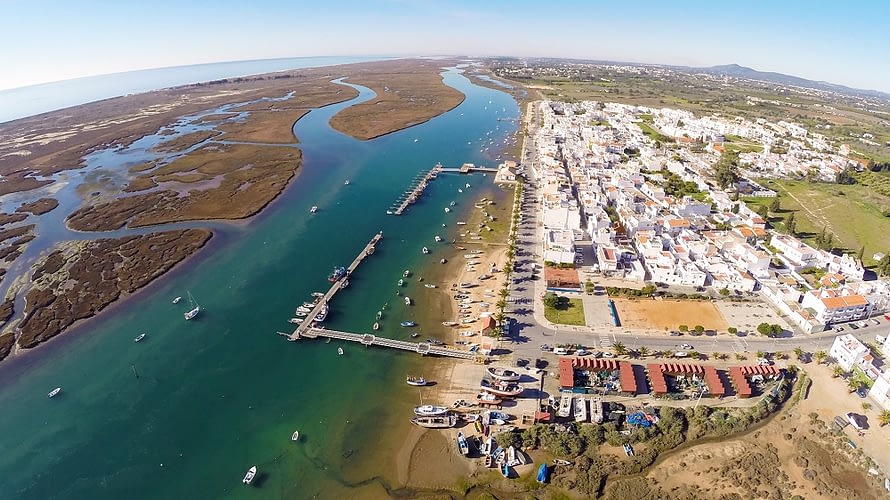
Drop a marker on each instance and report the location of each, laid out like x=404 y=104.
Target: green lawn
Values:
x=567 y=312
x=853 y=213
x=654 y=134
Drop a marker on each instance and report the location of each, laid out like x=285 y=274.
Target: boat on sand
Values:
x=416 y=381
x=430 y=410
x=502 y=374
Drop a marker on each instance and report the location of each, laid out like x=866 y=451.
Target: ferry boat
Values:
x=416 y=381
x=53 y=393
x=429 y=410
x=313 y=209
x=251 y=473
x=435 y=422
x=408 y=324
x=139 y=337
x=191 y=313
x=336 y=274
x=322 y=314
x=502 y=388
x=425 y=250
x=407 y=301
x=503 y=374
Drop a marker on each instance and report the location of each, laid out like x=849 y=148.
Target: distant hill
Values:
x=768 y=76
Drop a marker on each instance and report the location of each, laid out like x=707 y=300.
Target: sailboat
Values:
x=191 y=313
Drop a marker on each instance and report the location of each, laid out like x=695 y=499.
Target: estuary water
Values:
x=185 y=412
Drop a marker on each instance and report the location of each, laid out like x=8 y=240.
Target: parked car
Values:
x=875 y=321
x=582 y=352
x=862 y=391
x=686 y=346
x=675 y=333
x=546 y=347
x=560 y=351
x=853 y=326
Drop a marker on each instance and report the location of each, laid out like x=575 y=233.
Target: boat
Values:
x=502 y=374
x=317 y=295
x=542 y=474
x=434 y=342
x=452 y=203
x=559 y=461
x=489 y=461
x=345 y=284
x=376 y=326
x=304 y=309
x=505 y=471
x=487 y=446
x=401 y=282
x=469 y=334
x=430 y=410
x=511 y=457
x=313 y=209
x=408 y=324
x=322 y=314
x=336 y=274
x=429 y=285
x=340 y=351
x=628 y=450
x=438 y=238
x=425 y=250
x=443 y=261
x=565 y=405
x=461 y=223
x=487 y=398
x=139 y=337
x=300 y=314
x=435 y=422
x=295 y=436
x=502 y=388
x=447 y=210
x=449 y=323
x=459 y=190
x=416 y=381
x=346 y=183
x=379 y=314
x=251 y=473
x=191 y=313
x=406 y=273
x=479 y=427
x=309 y=305
x=580 y=409
x=462 y=446
x=414 y=335
x=468 y=186
x=176 y=300
x=54 y=392
x=407 y=301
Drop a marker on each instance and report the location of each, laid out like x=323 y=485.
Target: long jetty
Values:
x=414 y=193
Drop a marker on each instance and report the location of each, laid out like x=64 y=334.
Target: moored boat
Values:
x=295 y=436
x=425 y=250
x=407 y=301
x=313 y=209
x=139 y=337
x=376 y=326
x=322 y=314
x=502 y=388
x=191 y=313
x=435 y=422
x=502 y=374
x=379 y=314
x=414 y=335
x=408 y=324
x=340 y=351
x=488 y=398
x=430 y=410
x=449 y=323
x=429 y=285
x=251 y=473
x=406 y=273
x=438 y=238
x=416 y=381
x=336 y=274
x=176 y=300
x=295 y=321
x=53 y=393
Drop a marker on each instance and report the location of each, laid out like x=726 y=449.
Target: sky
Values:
x=51 y=40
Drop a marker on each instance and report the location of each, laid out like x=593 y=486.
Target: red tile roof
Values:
x=715 y=385
x=566 y=373
x=737 y=377
x=626 y=377
x=656 y=379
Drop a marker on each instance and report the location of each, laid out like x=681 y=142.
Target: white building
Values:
x=559 y=246
x=880 y=391
x=796 y=252
x=848 y=351
x=831 y=306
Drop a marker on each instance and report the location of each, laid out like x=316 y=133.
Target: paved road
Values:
x=530 y=329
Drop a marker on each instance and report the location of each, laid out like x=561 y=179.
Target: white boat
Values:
x=346 y=183
x=461 y=223
x=379 y=314
x=580 y=409
x=503 y=374
x=565 y=405
x=429 y=410
x=511 y=457
x=295 y=321
x=401 y=282
x=176 y=300
x=459 y=190
x=139 y=337
x=452 y=203
x=447 y=210
x=435 y=421
x=425 y=250
x=487 y=445
x=430 y=285
x=54 y=392
x=295 y=436
x=340 y=351
x=304 y=309
x=462 y=446
x=376 y=326
x=449 y=323
x=313 y=209
x=407 y=301
x=469 y=334
x=195 y=308
x=322 y=314
x=502 y=388
x=468 y=185
x=416 y=381
x=406 y=273
x=438 y=238
x=300 y=314
x=251 y=473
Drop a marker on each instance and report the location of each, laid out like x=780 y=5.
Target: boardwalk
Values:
x=423 y=348
x=336 y=287
x=414 y=193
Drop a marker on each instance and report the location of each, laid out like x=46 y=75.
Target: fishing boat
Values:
x=430 y=410
x=580 y=410
x=452 y=203
x=565 y=405
x=406 y=273
x=487 y=398
x=487 y=446
x=468 y=186
x=461 y=223
x=376 y=326
x=489 y=461
x=408 y=324
x=435 y=422
x=407 y=301
x=54 y=392
x=322 y=314
x=313 y=209
x=295 y=436
x=195 y=308
x=176 y=300
x=438 y=238
x=425 y=250
x=340 y=351
x=434 y=342
x=443 y=261
x=459 y=190
x=502 y=373
x=449 y=323
x=336 y=274
x=401 y=282
x=251 y=473
x=628 y=450
x=462 y=446
x=416 y=381
x=429 y=285
x=542 y=474
x=379 y=314
x=480 y=428
x=139 y=337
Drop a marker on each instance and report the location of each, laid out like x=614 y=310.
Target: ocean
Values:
x=185 y=412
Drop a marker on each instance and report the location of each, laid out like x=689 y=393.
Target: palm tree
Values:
x=741 y=357
x=837 y=372
x=500 y=317
x=884 y=417
x=644 y=351
x=866 y=406
x=798 y=353
x=504 y=293
x=694 y=354
x=820 y=356
x=719 y=355
x=853 y=384
x=761 y=354
x=501 y=304
x=619 y=348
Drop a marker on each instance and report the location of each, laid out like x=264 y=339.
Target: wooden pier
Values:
x=335 y=287
x=414 y=193
x=367 y=339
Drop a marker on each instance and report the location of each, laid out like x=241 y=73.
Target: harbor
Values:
x=420 y=183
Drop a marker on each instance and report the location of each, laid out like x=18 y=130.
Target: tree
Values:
x=775 y=206
x=644 y=351
x=763 y=212
x=884 y=417
x=619 y=348
x=790 y=225
x=683 y=328
x=820 y=356
x=883 y=266
x=798 y=353
x=866 y=406
x=853 y=384
x=724 y=291
x=504 y=293
x=837 y=371
x=764 y=329
x=718 y=355
x=761 y=354
x=732 y=330
x=551 y=300
x=699 y=329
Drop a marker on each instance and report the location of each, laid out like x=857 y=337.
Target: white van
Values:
x=560 y=351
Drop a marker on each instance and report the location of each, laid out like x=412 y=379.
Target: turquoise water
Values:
x=223 y=392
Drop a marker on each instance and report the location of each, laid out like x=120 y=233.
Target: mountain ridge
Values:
x=738 y=71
